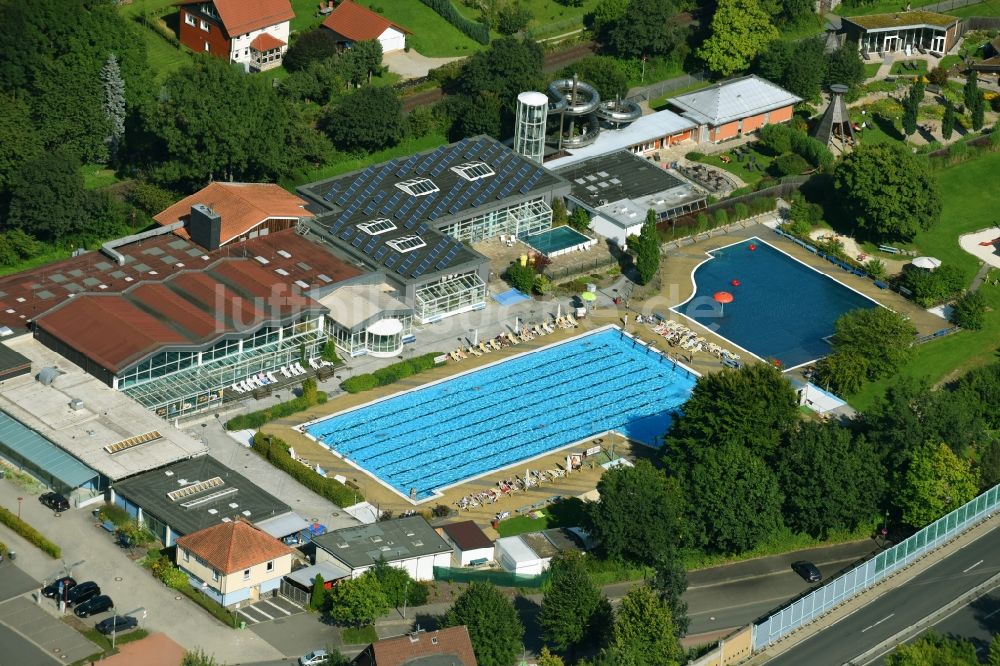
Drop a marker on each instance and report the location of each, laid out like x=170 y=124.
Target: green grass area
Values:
x=431 y=35
x=783 y=541
x=899 y=68
x=139 y=7
x=871 y=69
x=567 y=513
x=548 y=17
x=810 y=27
x=882 y=7
x=950 y=61
x=358 y=635
x=739 y=169
x=96 y=175
x=988 y=8
x=349 y=163
x=306 y=16
x=104 y=642
x=968 y=206
x=660 y=103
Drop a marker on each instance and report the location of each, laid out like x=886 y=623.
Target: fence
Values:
x=601 y=261
x=498 y=578
x=948 y=5
x=663 y=87
x=982 y=23
x=874 y=570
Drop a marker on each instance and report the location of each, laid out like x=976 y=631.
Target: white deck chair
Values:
x=237 y=388
x=503 y=238
x=298 y=366
x=270 y=375
x=285 y=372
x=314 y=363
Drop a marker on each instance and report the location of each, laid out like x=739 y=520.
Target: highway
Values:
x=899 y=608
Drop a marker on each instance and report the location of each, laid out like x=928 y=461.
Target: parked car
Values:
x=314 y=658
x=807 y=570
x=54 y=501
x=52 y=590
x=94 y=605
x=117 y=624
x=83 y=592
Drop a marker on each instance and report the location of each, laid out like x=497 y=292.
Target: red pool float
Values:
x=752 y=247
x=735 y=283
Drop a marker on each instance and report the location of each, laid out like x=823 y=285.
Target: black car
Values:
x=94 y=605
x=117 y=624
x=807 y=570
x=52 y=590
x=54 y=501
x=83 y=592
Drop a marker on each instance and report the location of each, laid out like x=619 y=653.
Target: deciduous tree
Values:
x=843 y=372
x=969 y=311
x=357 y=602
x=936 y=482
x=647 y=28
x=648 y=249
x=308 y=47
x=644 y=632
x=880 y=335
x=670 y=582
x=888 y=192
x=574 y=612
x=579 y=219
x=605 y=73
x=653 y=504
x=494 y=628
x=934 y=650
x=366 y=120
x=740 y=30
x=831 y=481
x=47 y=198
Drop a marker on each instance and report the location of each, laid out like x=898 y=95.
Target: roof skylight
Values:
x=407 y=243
x=418 y=187
x=473 y=170
x=376 y=227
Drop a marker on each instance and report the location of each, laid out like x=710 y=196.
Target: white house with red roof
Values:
x=353 y=23
x=253 y=33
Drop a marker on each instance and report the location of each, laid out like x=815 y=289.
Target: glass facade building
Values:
x=522 y=219
x=529 y=125
x=450 y=295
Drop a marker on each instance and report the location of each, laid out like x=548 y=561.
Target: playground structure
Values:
x=581 y=102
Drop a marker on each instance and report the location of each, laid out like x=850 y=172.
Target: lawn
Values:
x=660 y=103
x=431 y=36
x=306 y=16
x=358 y=635
x=968 y=206
x=871 y=69
x=988 y=8
x=548 y=17
x=97 y=175
x=899 y=68
x=739 y=169
x=104 y=642
x=567 y=513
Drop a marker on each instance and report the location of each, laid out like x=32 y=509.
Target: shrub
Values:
x=521 y=277
x=329 y=353
x=777 y=138
x=695 y=156
x=389 y=374
x=740 y=211
x=30 y=534
x=281 y=410
x=275 y=451
x=719 y=217
x=359 y=383
x=968 y=311
x=791 y=164
x=115 y=514
x=479 y=32
x=762 y=205
x=171 y=576
x=3 y=549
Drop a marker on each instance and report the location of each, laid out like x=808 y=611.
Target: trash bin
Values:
x=243 y=625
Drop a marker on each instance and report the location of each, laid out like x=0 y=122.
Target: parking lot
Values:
x=265 y=610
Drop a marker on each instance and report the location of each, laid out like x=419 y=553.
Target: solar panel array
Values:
x=368 y=196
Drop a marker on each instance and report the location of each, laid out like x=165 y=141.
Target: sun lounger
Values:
x=496 y=345
x=474 y=351
x=298 y=366
x=548 y=327
x=571 y=320
x=513 y=340
x=237 y=388
x=314 y=363
x=270 y=375
x=483 y=348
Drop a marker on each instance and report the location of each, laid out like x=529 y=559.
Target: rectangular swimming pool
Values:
x=433 y=437
x=781 y=309
x=559 y=240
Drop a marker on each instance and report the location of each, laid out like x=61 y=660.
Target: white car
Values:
x=314 y=658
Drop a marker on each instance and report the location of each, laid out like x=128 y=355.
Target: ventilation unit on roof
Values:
x=76 y=404
x=48 y=375
x=195 y=488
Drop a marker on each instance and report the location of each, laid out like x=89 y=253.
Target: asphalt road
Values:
x=17 y=651
x=900 y=607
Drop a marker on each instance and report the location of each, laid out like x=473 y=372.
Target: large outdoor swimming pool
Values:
x=781 y=309
x=486 y=419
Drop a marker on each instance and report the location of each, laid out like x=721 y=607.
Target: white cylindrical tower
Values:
x=529 y=128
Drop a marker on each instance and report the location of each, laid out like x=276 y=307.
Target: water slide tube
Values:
x=619 y=112
x=586 y=101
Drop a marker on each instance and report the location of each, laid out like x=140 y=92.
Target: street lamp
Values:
x=19 y=500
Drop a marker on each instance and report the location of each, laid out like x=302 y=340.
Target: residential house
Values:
x=253 y=33
x=234 y=561
x=353 y=23
x=444 y=647
x=407 y=543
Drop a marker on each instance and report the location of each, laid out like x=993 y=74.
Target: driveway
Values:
x=297 y=634
x=412 y=65
x=265 y=610
x=37 y=632
x=90 y=554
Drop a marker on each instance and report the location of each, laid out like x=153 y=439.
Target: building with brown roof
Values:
x=470 y=544
x=234 y=561
x=253 y=33
x=351 y=22
x=221 y=213
x=444 y=647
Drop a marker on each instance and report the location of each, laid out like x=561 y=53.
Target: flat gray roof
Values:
x=731 y=100
x=210 y=493
x=399 y=539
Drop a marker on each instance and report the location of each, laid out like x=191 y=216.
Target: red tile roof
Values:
x=242 y=206
x=242 y=16
x=265 y=41
x=28 y=295
x=467 y=535
x=191 y=308
x=453 y=642
x=233 y=546
x=358 y=23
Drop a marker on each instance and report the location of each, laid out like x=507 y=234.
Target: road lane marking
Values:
x=986 y=617
x=972 y=567
x=271 y=603
x=872 y=626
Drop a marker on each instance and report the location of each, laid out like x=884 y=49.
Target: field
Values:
x=549 y=17
x=431 y=35
x=967 y=207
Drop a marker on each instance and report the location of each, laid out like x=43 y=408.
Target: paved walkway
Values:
x=412 y=65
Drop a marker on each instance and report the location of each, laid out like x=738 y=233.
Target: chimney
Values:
x=205 y=227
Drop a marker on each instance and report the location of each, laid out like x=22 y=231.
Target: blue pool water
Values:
x=493 y=417
x=555 y=239
x=782 y=309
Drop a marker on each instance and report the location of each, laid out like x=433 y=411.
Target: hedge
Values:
x=262 y=416
x=172 y=576
x=275 y=451
x=480 y=32
x=389 y=374
x=33 y=536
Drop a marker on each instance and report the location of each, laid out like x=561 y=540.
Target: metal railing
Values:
x=873 y=571
x=655 y=90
